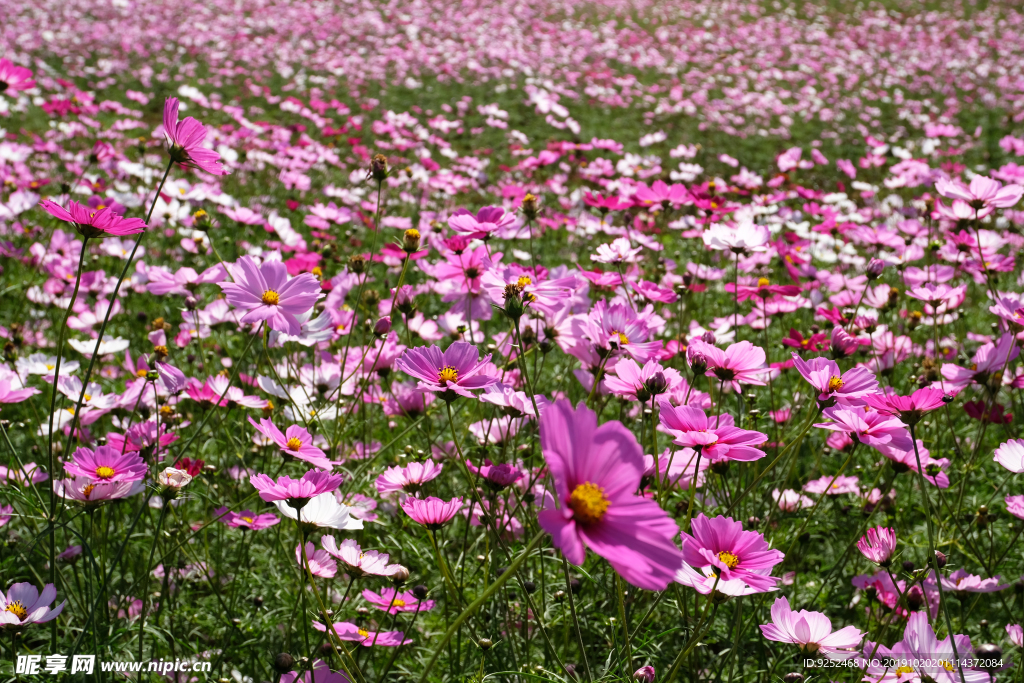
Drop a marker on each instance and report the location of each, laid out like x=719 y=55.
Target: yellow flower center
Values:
x=904 y=670
x=523 y=281
x=448 y=374
x=87 y=490
x=588 y=503
x=399 y=602
x=87 y=397
x=412 y=234
x=835 y=384
x=363 y=632
x=318 y=271
x=948 y=666
x=763 y=282
x=248 y=520
x=49 y=367
x=105 y=472
x=623 y=339
x=294 y=444
x=728 y=559
x=17 y=609
x=271 y=298
x=141 y=372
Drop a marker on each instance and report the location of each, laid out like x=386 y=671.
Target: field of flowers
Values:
x=402 y=340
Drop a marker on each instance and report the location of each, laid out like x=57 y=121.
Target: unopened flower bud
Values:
x=644 y=674
x=420 y=592
x=657 y=383
x=915 y=598
x=485 y=643
x=400 y=576
x=875 y=268
x=793 y=677
x=174 y=479
x=283 y=663
x=357 y=263
x=708 y=337
x=530 y=207
x=383 y=326
x=411 y=240
x=191 y=303
x=379 y=167
x=940 y=559
x=698 y=364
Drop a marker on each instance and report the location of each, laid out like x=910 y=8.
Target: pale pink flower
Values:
x=811 y=632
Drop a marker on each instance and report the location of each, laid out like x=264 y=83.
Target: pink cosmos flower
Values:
x=596 y=471
x=934 y=468
x=833 y=486
x=408 y=479
x=741 y=363
x=87 y=491
x=988 y=360
x=1016 y=634
x=832 y=384
x=691 y=427
x=320 y=562
x=11 y=393
x=357 y=562
x=741 y=239
x=451 y=373
x=24 y=605
x=923 y=657
x=872 y=428
x=983 y=192
x=366 y=638
x=267 y=294
x=640 y=384
x=296 y=441
x=246 y=519
x=811 y=632
x=1011 y=455
x=497 y=476
x=620 y=250
x=319 y=673
x=106 y=465
x=909 y=409
x=877 y=545
x=392 y=602
x=484 y=224
x=94 y=223
x=791 y=501
x=431 y=512
x=185 y=139
x=1015 y=506
x=14 y=78
x=962 y=581
x=720 y=549
x=296 y=492
x=661 y=193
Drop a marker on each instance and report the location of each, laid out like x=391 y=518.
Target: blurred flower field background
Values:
x=353 y=342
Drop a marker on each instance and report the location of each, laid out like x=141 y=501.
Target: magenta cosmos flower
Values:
x=14 y=78
x=392 y=602
x=811 y=632
x=185 y=140
x=641 y=383
x=485 y=223
x=596 y=471
x=872 y=428
x=296 y=441
x=961 y=580
x=877 y=545
x=450 y=373
x=432 y=512
x=721 y=549
x=267 y=294
x=832 y=384
x=910 y=409
x=320 y=673
x=923 y=657
x=88 y=491
x=496 y=476
x=24 y=605
x=246 y=519
x=691 y=427
x=106 y=464
x=348 y=631
x=320 y=562
x=296 y=492
x=92 y=223
x=741 y=363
